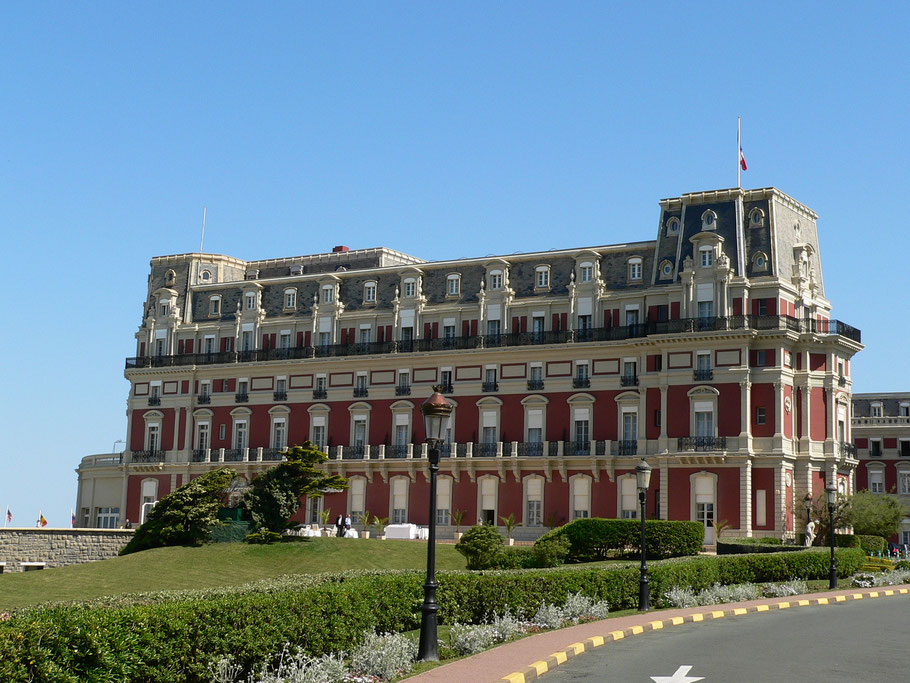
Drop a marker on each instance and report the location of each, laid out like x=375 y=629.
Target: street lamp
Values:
x=643 y=479
x=436 y=411
x=831 y=492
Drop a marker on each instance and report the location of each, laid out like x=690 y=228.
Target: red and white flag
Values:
x=9 y=515
x=742 y=159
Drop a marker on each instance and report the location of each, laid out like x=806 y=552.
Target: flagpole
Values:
x=739 y=146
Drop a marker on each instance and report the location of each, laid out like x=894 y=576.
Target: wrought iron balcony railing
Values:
x=581 y=382
x=625 y=447
x=233 y=454
x=154 y=400
x=198 y=455
x=241 y=397
x=535 y=385
x=272 y=454
x=320 y=393
x=446 y=389
x=629 y=380
x=353 y=452
x=576 y=448
x=703 y=374
x=361 y=392
x=280 y=396
x=203 y=399
x=148 y=455
x=397 y=451
x=485 y=450
x=619 y=333
x=490 y=386
x=530 y=448
x=701 y=443
x=848 y=449
x=403 y=390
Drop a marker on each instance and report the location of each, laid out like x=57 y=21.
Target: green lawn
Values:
x=220 y=564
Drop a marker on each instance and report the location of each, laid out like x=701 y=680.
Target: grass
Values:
x=220 y=564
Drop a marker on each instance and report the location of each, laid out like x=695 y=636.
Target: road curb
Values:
x=541 y=667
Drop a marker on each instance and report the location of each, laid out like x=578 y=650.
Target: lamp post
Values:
x=643 y=479
x=831 y=492
x=436 y=411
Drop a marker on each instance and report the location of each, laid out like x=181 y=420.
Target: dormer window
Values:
x=170 y=278
x=164 y=307
x=250 y=299
x=410 y=287
x=453 y=284
x=495 y=279
x=876 y=410
x=635 y=268
x=206 y=276
x=760 y=261
x=369 y=293
x=666 y=270
x=542 y=277
x=673 y=226
x=585 y=272
x=756 y=218
x=709 y=220
x=215 y=305
x=706 y=257
x=328 y=294
x=290 y=299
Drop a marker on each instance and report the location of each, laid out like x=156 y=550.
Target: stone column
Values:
x=664 y=491
x=745 y=400
x=745 y=498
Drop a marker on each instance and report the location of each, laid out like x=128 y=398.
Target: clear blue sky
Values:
x=436 y=130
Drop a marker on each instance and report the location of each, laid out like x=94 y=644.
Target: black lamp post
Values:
x=831 y=492
x=643 y=479
x=436 y=411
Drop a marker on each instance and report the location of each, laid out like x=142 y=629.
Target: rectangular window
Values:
x=366 y=335
x=489 y=435
x=401 y=436
x=487 y=493
x=448 y=332
x=582 y=434
x=629 y=369
x=630 y=426
x=453 y=287
x=165 y=308
x=707 y=257
x=399 y=501
x=493 y=328
x=215 y=306
x=360 y=433
x=209 y=345
x=279 y=435
x=290 y=299
x=153 y=437
x=410 y=288
x=761 y=307
x=445 y=378
x=284 y=341
x=760 y=358
x=903 y=479
x=635 y=270
x=281 y=386
x=704 y=424
x=543 y=278
x=246 y=341
x=581 y=498
x=205 y=389
x=328 y=294
x=536 y=373
x=875 y=448
x=496 y=280
x=242 y=387
x=320 y=383
x=358 y=498
x=705 y=309
x=586 y=273
x=904 y=448
x=361 y=382
x=250 y=302
x=443 y=501
x=876 y=410
x=404 y=380
x=877 y=481
x=584 y=323
x=108 y=518
x=369 y=293
x=319 y=437
x=325 y=338
x=629 y=498
x=905 y=410
x=631 y=316
x=240 y=435
x=537 y=324
x=581 y=371
x=202 y=436
x=759 y=415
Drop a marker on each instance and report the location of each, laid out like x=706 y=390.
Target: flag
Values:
x=9 y=515
x=742 y=159
x=41 y=520
x=73 y=518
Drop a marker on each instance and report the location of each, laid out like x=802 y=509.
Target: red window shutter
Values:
x=772 y=306
x=142 y=349
x=564 y=321
x=218 y=385
x=185 y=386
x=435 y=330
x=674 y=310
x=607 y=319
x=652 y=313
x=616 y=320
x=265 y=342
x=179 y=346
x=380 y=333
x=427 y=331
x=344 y=335
x=308 y=338
x=515 y=324
x=473 y=328
x=556 y=322
x=196 y=387
x=524 y=323
x=272 y=344
x=388 y=333
x=769 y=357
x=299 y=339
x=224 y=341
x=465 y=328
x=188 y=347
x=738 y=306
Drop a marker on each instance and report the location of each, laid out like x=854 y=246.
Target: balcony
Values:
x=320 y=393
x=273 y=454
x=581 y=383
x=628 y=380
x=398 y=451
x=234 y=454
x=576 y=448
x=403 y=390
x=848 y=449
x=701 y=443
x=625 y=447
x=619 y=333
x=154 y=400
x=535 y=385
x=446 y=389
x=198 y=455
x=490 y=386
x=485 y=450
x=150 y=455
x=353 y=452
x=241 y=397
x=532 y=449
x=841 y=381
x=204 y=399
x=703 y=374
x=280 y=396
x=361 y=392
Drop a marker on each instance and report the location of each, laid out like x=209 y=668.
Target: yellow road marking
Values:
x=889 y=592
x=515 y=678
x=540 y=667
x=858 y=596
x=762 y=608
x=873 y=594
x=677 y=621
x=803 y=603
x=823 y=601
x=577 y=647
x=783 y=605
x=840 y=598
x=656 y=625
x=638 y=629
x=617 y=635
x=740 y=610
x=698 y=617
x=717 y=614
x=596 y=641
x=560 y=657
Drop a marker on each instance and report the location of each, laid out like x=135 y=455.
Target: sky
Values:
x=440 y=130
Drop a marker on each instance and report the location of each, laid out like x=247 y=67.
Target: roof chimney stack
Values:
x=340 y=249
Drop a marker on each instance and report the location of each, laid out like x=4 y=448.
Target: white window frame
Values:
x=706 y=257
x=328 y=294
x=542 y=277
x=290 y=299
x=876 y=477
x=496 y=279
x=624 y=482
x=392 y=499
x=369 y=292
x=480 y=495
x=526 y=499
x=355 y=513
x=574 y=505
x=215 y=305
x=453 y=284
x=586 y=272
x=877 y=410
x=409 y=287
x=249 y=301
x=634 y=268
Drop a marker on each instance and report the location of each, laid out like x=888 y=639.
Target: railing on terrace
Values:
x=152 y=455
x=649 y=328
x=352 y=452
x=485 y=450
x=272 y=454
x=396 y=451
x=848 y=449
x=576 y=448
x=625 y=447
x=535 y=385
x=702 y=374
x=234 y=454
x=530 y=448
x=199 y=455
x=701 y=443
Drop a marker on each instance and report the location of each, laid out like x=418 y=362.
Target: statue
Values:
x=810 y=532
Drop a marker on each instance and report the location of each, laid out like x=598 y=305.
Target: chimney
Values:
x=340 y=249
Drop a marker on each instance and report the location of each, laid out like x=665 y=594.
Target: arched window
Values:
x=756 y=218
x=759 y=261
x=290 y=299
x=672 y=226
x=666 y=270
x=709 y=220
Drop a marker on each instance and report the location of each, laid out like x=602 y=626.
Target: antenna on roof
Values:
x=202 y=239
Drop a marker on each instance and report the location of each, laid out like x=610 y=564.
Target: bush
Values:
x=263 y=537
x=481 y=546
x=385 y=656
x=737 y=547
x=595 y=538
x=846 y=541
x=872 y=544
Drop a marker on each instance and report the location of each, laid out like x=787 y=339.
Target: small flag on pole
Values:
x=9 y=515
x=41 y=520
x=742 y=159
x=73 y=518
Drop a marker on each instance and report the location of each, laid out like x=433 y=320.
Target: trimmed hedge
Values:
x=872 y=544
x=596 y=538
x=738 y=548
x=175 y=639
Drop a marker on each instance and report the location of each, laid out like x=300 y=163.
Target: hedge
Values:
x=738 y=548
x=872 y=544
x=595 y=538
x=174 y=638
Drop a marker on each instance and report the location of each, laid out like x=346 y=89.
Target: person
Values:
x=339 y=526
x=347 y=522
x=127 y=524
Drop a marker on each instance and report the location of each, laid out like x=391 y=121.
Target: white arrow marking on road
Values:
x=678 y=677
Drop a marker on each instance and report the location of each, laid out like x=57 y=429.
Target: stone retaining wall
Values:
x=26 y=548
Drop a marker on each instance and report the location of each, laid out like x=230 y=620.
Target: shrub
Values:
x=385 y=656
x=263 y=537
x=481 y=546
x=784 y=589
x=466 y=639
x=594 y=538
x=300 y=668
x=738 y=547
x=846 y=541
x=875 y=514
x=872 y=544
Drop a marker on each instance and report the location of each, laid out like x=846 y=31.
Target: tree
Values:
x=481 y=546
x=819 y=512
x=184 y=517
x=274 y=496
x=510 y=523
x=875 y=514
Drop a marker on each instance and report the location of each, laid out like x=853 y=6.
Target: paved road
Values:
x=864 y=640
